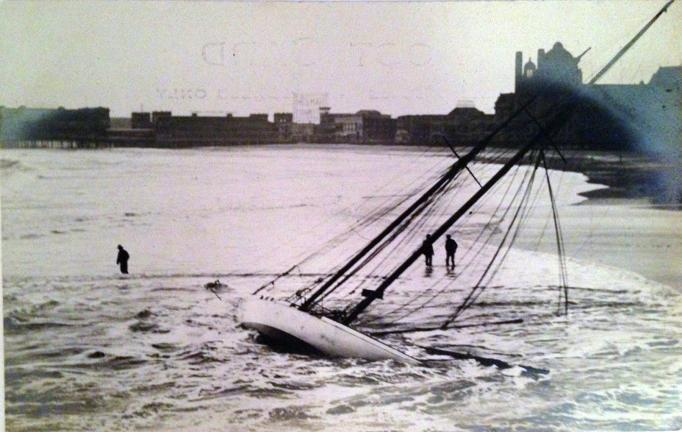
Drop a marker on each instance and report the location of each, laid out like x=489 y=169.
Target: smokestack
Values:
x=519 y=67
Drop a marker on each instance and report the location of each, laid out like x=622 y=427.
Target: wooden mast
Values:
x=449 y=175
x=558 y=122
x=370 y=296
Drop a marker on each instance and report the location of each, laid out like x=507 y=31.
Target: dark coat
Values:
x=450 y=246
x=122 y=257
x=427 y=248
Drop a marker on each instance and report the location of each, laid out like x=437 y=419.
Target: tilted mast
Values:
x=558 y=121
x=444 y=179
x=370 y=296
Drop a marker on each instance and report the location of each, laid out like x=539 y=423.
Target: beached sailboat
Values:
x=286 y=324
x=301 y=319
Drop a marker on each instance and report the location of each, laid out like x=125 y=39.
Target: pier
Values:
x=56 y=144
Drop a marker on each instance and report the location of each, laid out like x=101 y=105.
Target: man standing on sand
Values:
x=427 y=250
x=450 y=249
x=122 y=259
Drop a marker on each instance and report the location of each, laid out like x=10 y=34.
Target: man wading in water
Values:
x=122 y=259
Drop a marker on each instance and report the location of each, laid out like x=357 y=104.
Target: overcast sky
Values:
x=396 y=57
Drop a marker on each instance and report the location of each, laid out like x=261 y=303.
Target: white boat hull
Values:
x=278 y=320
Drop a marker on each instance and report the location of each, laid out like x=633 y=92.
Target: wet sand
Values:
x=633 y=213
x=630 y=177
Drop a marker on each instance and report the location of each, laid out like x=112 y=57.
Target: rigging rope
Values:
x=467 y=254
x=374 y=216
x=390 y=238
x=565 y=112
x=413 y=229
x=501 y=155
x=563 y=277
x=477 y=289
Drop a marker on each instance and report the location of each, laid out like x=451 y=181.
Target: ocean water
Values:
x=89 y=349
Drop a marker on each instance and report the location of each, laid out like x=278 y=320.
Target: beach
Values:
x=87 y=348
x=635 y=202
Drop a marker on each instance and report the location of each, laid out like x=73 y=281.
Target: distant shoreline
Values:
x=628 y=176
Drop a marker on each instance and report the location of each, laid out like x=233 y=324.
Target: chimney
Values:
x=518 y=70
